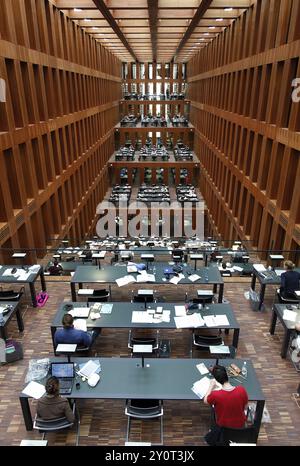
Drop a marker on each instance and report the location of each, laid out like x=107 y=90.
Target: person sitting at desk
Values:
x=229 y=404
x=290 y=281
x=70 y=335
x=52 y=405
x=237 y=256
x=213 y=256
x=55 y=268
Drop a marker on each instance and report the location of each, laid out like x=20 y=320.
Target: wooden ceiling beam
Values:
x=153 y=19
x=203 y=7
x=108 y=16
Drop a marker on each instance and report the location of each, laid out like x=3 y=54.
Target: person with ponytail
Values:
x=52 y=405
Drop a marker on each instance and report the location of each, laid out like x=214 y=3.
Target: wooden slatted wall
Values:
x=248 y=127
x=56 y=126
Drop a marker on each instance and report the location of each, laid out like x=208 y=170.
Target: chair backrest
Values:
x=10 y=295
x=142 y=299
x=52 y=424
x=144 y=408
x=245 y=435
x=203 y=299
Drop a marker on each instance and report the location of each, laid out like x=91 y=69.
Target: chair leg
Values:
x=128 y=429
x=161 y=430
x=44 y=436
x=78 y=427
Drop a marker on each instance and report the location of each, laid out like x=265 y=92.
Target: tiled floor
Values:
x=104 y=422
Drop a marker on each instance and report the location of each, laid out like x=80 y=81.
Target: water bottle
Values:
x=244 y=369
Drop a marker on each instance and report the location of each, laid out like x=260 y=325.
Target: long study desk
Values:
x=164 y=379
x=121 y=317
x=7 y=316
x=109 y=274
x=266 y=278
x=288 y=326
x=30 y=280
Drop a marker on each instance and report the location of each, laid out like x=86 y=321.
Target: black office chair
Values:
x=244 y=435
x=203 y=341
x=177 y=255
x=143 y=299
x=11 y=295
x=54 y=425
x=70 y=259
x=99 y=296
x=225 y=273
x=133 y=341
x=205 y=299
x=283 y=300
x=144 y=409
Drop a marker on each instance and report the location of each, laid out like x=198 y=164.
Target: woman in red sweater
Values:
x=229 y=404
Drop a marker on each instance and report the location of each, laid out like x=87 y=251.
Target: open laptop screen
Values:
x=62 y=370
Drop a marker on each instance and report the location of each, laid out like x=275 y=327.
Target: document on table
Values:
x=80 y=312
x=34 y=268
x=215 y=321
x=175 y=280
x=80 y=324
x=200 y=388
x=279 y=272
x=145 y=277
x=289 y=315
x=89 y=368
x=131 y=268
x=180 y=311
x=192 y=321
x=34 y=389
x=235 y=267
x=202 y=368
x=23 y=275
x=106 y=308
x=193 y=278
x=141 y=317
x=125 y=280
x=259 y=267
x=7 y=273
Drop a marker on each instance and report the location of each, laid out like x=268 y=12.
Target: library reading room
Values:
x=149 y=157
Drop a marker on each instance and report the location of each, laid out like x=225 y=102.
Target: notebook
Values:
x=64 y=371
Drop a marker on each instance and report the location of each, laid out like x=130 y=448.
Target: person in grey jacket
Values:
x=52 y=405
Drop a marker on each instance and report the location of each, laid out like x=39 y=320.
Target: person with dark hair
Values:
x=55 y=268
x=69 y=334
x=229 y=404
x=290 y=281
x=52 y=405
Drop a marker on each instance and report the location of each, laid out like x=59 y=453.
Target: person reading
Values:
x=70 y=335
x=52 y=405
x=229 y=404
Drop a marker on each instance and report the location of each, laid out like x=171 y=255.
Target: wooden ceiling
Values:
x=153 y=30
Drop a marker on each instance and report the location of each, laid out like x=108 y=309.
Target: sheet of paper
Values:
x=141 y=317
x=220 y=349
x=191 y=321
x=80 y=312
x=200 y=388
x=131 y=268
x=221 y=320
x=202 y=368
x=237 y=268
x=289 y=315
x=106 y=308
x=94 y=315
x=193 y=278
x=174 y=280
x=80 y=324
x=180 y=311
x=142 y=278
x=210 y=321
x=279 y=272
x=259 y=267
x=125 y=280
x=34 y=268
x=35 y=390
x=166 y=316
x=89 y=368
x=23 y=275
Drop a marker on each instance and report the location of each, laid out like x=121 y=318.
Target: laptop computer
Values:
x=65 y=373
